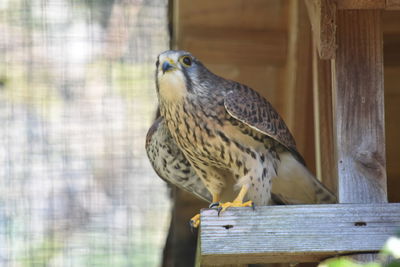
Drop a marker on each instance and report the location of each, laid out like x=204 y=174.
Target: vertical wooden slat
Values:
x=324 y=156
x=298 y=82
x=358 y=107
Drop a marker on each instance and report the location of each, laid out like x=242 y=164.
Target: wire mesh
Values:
x=76 y=99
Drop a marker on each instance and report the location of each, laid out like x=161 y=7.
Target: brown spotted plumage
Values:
x=169 y=162
x=258 y=113
x=231 y=136
x=172 y=166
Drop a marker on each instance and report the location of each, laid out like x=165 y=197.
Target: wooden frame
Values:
x=348 y=87
x=295 y=233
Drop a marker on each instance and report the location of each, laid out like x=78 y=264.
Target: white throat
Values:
x=172 y=86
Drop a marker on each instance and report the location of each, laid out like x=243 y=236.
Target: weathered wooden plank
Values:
x=296 y=233
x=322 y=14
x=199 y=263
x=324 y=149
x=358 y=107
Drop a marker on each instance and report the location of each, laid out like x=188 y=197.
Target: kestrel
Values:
x=231 y=137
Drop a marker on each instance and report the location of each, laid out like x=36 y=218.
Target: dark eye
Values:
x=187 y=61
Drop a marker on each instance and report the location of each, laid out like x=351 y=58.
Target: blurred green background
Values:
x=76 y=99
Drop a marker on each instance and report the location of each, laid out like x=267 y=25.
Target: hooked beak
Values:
x=166 y=66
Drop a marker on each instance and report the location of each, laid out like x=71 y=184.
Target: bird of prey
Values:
x=221 y=135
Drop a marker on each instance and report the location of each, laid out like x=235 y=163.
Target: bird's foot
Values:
x=223 y=206
x=195 y=221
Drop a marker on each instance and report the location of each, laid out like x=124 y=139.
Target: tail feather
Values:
x=295 y=184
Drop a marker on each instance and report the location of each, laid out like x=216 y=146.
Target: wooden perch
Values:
x=295 y=233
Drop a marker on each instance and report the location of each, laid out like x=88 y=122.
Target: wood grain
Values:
x=369 y=4
x=322 y=14
x=392 y=4
x=298 y=82
x=392 y=111
x=361 y=4
x=358 y=107
x=296 y=233
x=254 y=47
x=324 y=147
x=238 y=14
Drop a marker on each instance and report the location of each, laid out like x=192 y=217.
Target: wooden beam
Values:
x=358 y=107
x=322 y=14
x=294 y=233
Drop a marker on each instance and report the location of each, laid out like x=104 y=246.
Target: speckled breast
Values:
x=196 y=131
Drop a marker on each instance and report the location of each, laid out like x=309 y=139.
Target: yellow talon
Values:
x=195 y=221
x=238 y=202
x=224 y=206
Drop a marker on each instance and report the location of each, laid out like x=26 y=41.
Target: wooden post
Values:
x=358 y=108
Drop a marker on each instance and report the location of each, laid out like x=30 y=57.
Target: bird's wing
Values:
x=249 y=107
x=169 y=162
x=294 y=184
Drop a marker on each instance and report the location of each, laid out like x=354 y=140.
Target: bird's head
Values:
x=178 y=73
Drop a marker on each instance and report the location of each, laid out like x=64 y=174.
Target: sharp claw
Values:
x=192 y=228
x=219 y=210
x=214 y=204
x=194 y=222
